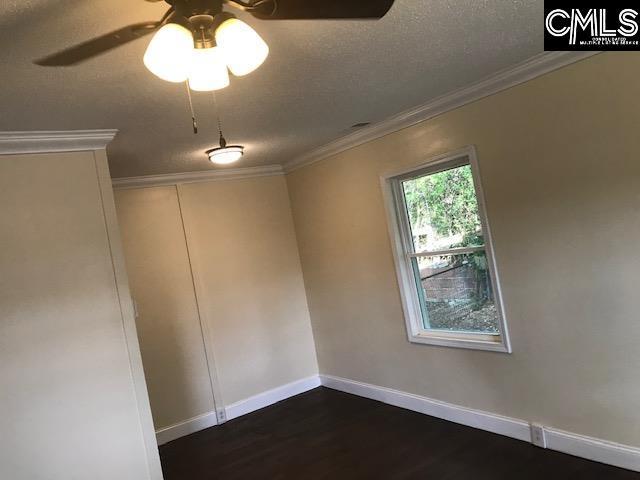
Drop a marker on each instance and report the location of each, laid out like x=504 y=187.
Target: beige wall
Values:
x=69 y=408
x=559 y=160
x=249 y=287
x=168 y=324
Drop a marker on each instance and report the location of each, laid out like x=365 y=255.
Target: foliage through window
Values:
x=445 y=254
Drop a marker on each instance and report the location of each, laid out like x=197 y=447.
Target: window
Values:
x=443 y=253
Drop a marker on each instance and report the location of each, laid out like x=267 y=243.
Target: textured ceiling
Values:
x=320 y=78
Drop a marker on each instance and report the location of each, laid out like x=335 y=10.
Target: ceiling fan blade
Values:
x=97 y=46
x=320 y=9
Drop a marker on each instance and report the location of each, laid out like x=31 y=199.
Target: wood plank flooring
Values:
x=325 y=434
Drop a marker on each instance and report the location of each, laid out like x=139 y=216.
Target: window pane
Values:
x=443 y=210
x=456 y=293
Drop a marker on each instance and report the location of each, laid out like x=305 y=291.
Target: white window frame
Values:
x=402 y=244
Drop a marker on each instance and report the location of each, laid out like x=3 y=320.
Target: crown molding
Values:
x=54 y=141
x=523 y=72
x=197 y=177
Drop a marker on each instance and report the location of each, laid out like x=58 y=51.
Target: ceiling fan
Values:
x=198 y=41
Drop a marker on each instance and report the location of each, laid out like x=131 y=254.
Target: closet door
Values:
x=169 y=330
x=243 y=246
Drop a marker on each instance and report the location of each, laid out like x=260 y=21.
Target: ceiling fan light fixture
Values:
x=169 y=53
x=225 y=155
x=244 y=50
x=208 y=70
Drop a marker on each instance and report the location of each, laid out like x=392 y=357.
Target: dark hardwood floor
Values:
x=325 y=434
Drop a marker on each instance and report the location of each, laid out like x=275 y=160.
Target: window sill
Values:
x=444 y=339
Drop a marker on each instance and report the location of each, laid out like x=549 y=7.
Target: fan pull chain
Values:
x=215 y=104
x=193 y=113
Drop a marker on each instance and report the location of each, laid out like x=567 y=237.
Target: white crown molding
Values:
x=523 y=72
x=12 y=143
x=196 y=177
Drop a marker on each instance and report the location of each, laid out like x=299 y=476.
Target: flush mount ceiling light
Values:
x=224 y=155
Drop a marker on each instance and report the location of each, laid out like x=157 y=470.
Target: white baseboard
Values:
x=601 y=451
x=270 y=397
x=248 y=405
x=578 y=445
x=509 y=427
x=187 y=427
x=573 y=444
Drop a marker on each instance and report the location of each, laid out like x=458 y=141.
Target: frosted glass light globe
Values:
x=208 y=70
x=225 y=155
x=244 y=50
x=168 y=56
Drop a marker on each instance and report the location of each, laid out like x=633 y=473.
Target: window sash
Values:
x=403 y=246
x=448 y=251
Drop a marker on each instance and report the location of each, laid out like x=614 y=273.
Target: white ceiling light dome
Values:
x=244 y=50
x=168 y=56
x=208 y=70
